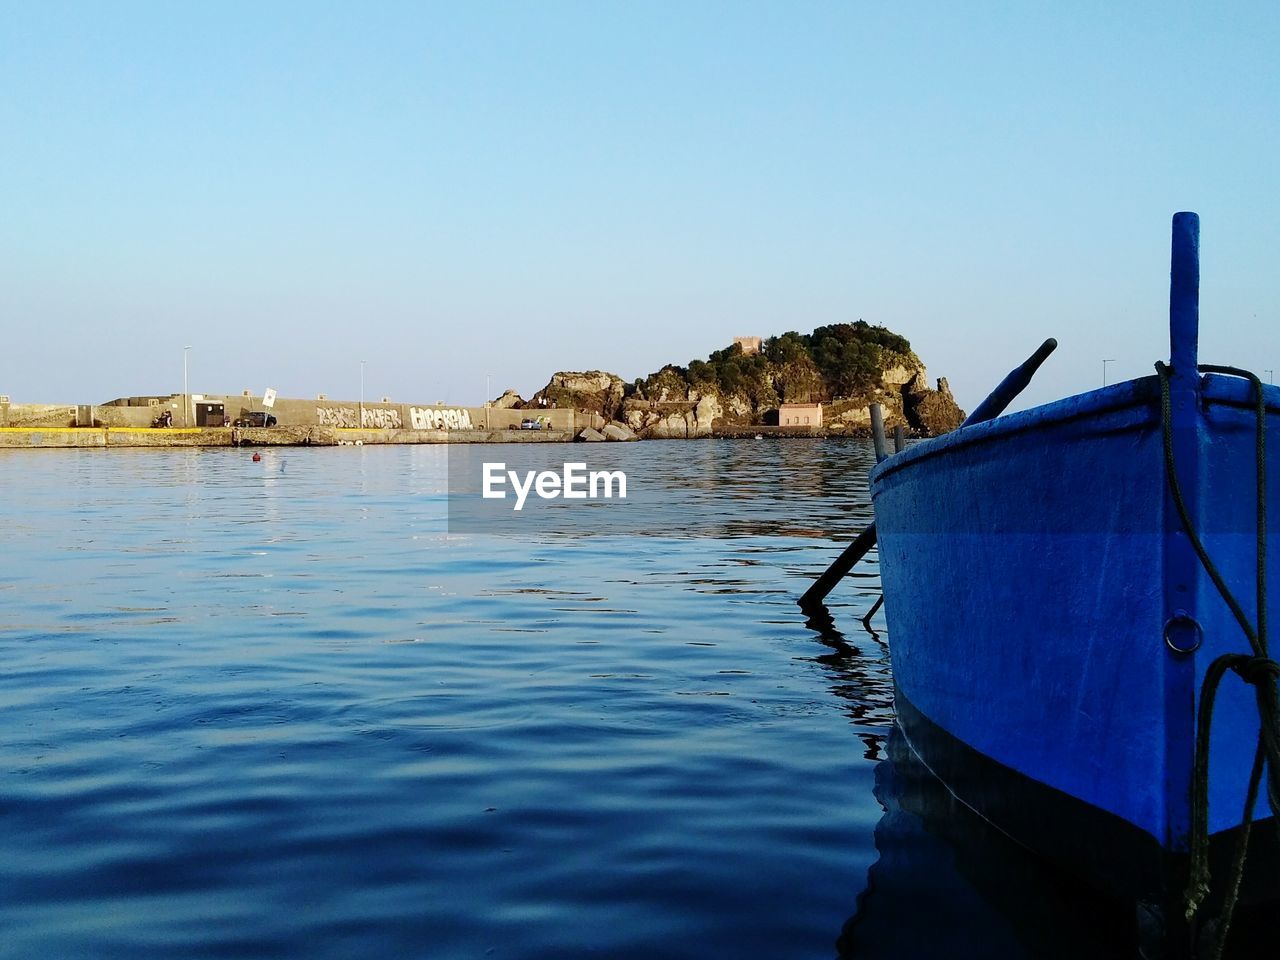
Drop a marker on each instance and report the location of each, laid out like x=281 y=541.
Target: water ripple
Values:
x=258 y=713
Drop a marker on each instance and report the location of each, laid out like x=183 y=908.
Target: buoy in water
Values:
x=257 y=457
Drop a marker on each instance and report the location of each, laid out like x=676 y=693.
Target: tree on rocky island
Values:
x=845 y=366
x=842 y=360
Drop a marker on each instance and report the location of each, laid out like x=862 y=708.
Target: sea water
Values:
x=282 y=709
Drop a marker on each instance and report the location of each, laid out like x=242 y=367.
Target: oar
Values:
x=989 y=409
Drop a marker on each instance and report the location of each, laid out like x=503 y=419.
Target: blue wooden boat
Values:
x=1052 y=623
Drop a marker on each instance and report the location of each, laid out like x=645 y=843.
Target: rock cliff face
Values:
x=673 y=419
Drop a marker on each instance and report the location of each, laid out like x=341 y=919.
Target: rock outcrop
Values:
x=668 y=420
x=593 y=392
x=618 y=431
x=904 y=394
x=674 y=419
x=510 y=400
x=930 y=412
x=908 y=403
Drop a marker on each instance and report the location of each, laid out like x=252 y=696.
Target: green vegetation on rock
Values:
x=836 y=361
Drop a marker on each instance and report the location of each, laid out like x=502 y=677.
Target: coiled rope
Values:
x=1256 y=669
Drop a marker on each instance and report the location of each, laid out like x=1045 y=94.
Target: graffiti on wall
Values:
x=336 y=417
x=381 y=419
x=375 y=418
x=439 y=418
x=378 y=418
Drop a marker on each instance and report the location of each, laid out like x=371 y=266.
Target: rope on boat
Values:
x=1256 y=669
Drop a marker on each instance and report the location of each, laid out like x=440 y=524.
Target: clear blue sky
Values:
x=453 y=190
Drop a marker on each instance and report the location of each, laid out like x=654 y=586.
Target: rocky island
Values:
x=843 y=367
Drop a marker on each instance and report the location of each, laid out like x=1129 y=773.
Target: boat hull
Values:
x=1029 y=566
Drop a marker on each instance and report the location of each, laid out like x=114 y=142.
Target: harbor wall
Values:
x=33 y=437
x=293 y=412
x=351 y=414
x=67 y=415
x=37 y=415
x=62 y=436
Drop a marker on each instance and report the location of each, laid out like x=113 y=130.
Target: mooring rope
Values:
x=1256 y=669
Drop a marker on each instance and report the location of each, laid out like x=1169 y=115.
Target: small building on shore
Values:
x=800 y=415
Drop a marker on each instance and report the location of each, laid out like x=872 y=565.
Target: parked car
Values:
x=528 y=423
x=256 y=418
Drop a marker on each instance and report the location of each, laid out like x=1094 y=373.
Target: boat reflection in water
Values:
x=948 y=884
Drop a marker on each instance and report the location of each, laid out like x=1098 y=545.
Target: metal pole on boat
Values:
x=989 y=409
x=899 y=439
x=1104 y=370
x=877 y=432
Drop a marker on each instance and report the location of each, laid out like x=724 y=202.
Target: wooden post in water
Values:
x=899 y=439
x=877 y=432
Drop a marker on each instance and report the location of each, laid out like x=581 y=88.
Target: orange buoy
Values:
x=257 y=457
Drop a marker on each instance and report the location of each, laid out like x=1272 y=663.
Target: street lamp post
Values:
x=186 y=397
x=1104 y=371
x=487 y=402
x=362 y=363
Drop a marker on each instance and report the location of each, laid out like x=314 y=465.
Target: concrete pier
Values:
x=126 y=422
x=345 y=436
x=42 y=437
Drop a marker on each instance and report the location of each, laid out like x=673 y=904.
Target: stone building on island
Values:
x=800 y=415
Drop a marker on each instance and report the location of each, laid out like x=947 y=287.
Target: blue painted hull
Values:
x=1029 y=565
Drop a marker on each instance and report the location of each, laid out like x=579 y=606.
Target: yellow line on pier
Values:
x=151 y=430
x=160 y=430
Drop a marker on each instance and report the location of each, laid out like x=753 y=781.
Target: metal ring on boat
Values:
x=1183 y=633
